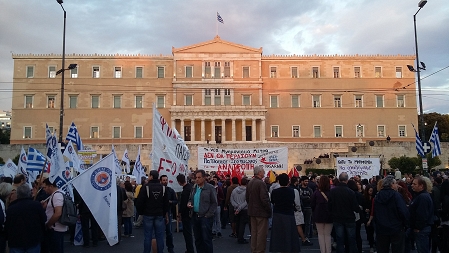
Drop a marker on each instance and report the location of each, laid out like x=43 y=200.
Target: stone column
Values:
x=223 y=131
x=243 y=130
x=203 y=130
x=192 y=129
x=173 y=123
x=182 y=128
x=262 y=130
x=174 y=96
x=233 y=130
x=212 y=132
x=253 y=130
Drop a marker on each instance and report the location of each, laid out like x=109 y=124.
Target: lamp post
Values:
x=61 y=112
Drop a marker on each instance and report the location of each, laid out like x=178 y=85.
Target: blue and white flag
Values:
x=74 y=136
x=71 y=154
x=59 y=172
x=35 y=160
x=419 y=145
x=97 y=186
x=138 y=168
x=22 y=166
x=125 y=158
x=435 y=140
x=50 y=140
x=118 y=168
x=219 y=18
x=9 y=169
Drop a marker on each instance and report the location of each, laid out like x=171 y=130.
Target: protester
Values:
x=216 y=227
x=87 y=221
x=186 y=220
x=5 y=192
x=305 y=192
x=390 y=216
x=203 y=201
x=25 y=222
x=284 y=235
x=139 y=217
x=152 y=203
x=129 y=211
x=229 y=207
x=342 y=205
x=321 y=215
x=240 y=207
x=121 y=206
x=360 y=215
x=259 y=210
x=172 y=201
x=299 y=216
x=369 y=228
x=444 y=214
x=19 y=180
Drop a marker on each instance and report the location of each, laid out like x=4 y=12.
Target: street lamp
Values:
x=418 y=70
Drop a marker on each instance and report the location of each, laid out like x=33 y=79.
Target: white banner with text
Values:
x=364 y=167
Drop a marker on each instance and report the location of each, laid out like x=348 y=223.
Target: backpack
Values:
x=69 y=214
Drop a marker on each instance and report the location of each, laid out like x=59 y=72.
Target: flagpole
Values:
x=41 y=176
x=217 y=26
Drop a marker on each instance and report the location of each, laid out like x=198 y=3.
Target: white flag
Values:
x=118 y=169
x=22 y=166
x=125 y=159
x=71 y=154
x=138 y=169
x=9 y=169
x=98 y=188
x=58 y=169
x=170 y=154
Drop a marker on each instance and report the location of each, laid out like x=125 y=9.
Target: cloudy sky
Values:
x=280 y=27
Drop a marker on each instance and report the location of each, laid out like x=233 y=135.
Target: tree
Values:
x=404 y=164
x=5 y=135
x=443 y=125
x=2 y=161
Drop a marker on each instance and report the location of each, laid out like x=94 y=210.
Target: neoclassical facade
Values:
x=217 y=92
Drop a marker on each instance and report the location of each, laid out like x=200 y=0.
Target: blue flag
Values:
x=74 y=136
x=36 y=160
x=435 y=140
x=419 y=145
x=219 y=18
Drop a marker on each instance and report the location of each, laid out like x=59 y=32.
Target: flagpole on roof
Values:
x=217 y=23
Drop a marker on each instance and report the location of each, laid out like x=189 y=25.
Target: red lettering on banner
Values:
x=208 y=155
x=245 y=166
x=168 y=131
x=162 y=167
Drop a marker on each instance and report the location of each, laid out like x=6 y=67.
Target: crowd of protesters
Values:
x=399 y=212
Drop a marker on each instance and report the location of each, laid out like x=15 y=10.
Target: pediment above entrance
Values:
x=217 y=45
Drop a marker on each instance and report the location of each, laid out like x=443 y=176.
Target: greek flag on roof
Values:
x=36 y=160
x=435 y=140
x=419 y=146
x=219 y=18
x=74 y=136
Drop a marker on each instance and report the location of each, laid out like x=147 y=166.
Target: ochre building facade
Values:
x=217 y=92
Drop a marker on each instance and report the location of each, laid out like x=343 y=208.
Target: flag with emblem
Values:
x=59 y=172
x=98 y=188
x=125 y=158
x=35 y=160
x=435 y=140
x=50 y=140
x=74 y=136
x=71 y=154
x=138 y=169
x=118 y=168
x=419 y=144
x=22 y=166
x=9 y=169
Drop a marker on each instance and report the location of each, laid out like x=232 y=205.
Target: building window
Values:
x=95 y=101
x=95 y=72
x=274 y=131
x=189 y=71
x=160 y=101
x=358 y=101
x=117 y=101
x=94 y=132
x=227 y=97
x=317 y=131
x=338 y=131
x=27 y=132
x=295 y=131
x=117 y=72
x=274 y=103
x=207 y=97
x=379 y=101
x=116 y=132
x=398 y=72
x=139 y=72
x=357 y=72
x=246 y=99
x=187 y=133
x=294 y=72
x=273 y=72
x=378 y=72
x=337 y=101
x=138 y=132
x=316 y=101
x=227 y=69
x=73 y=101
x=160 y=72
x=315 y=72
x=295 y=101
x=380 y=131
x=245 y=72
x=336 y=72
x=139 y=101
x=74 y=72
x=217 y=70
x=217 y=97
x=359 y=131
x=188 y=100
x=29 y=101
x=51 y=101
x=30 y=71
x=402 y=132
x=400 y=100
x=52 y=71
x=207 y=69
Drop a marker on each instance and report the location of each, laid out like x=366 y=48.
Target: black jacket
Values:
x=185 y=194
x=342 y=204
x=153 y=199
x=25 y=223
x=421 y=211
x=390 y=212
